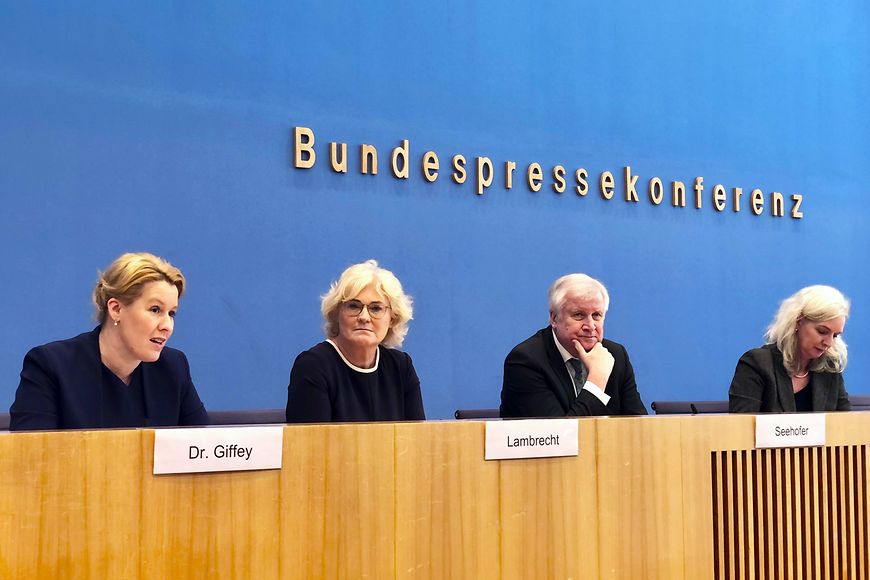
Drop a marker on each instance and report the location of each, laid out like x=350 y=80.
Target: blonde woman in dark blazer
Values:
x=800 y=369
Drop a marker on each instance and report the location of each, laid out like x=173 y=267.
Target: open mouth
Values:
x=159 y=341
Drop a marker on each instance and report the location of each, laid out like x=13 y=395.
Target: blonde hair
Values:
x=352 y=281
x=579 y=284
x=814 y=304
x=126 y=277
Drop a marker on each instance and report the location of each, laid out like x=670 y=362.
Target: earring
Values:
x=116 y=324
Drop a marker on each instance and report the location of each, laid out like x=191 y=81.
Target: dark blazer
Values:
x=61 y=386
x=762 y=385
x=537 y=383
x=323 y=388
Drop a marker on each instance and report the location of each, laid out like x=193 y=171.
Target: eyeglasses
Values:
x=355 y=308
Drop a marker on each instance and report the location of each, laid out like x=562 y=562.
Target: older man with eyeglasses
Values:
x=569 y=368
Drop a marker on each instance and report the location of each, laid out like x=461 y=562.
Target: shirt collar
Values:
x=566 y=356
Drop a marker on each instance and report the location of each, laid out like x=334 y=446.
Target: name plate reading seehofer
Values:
x=792 y=430
x=217 y=449
x=529 y=438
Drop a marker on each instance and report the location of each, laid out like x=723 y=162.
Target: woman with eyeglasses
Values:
x=357 y=374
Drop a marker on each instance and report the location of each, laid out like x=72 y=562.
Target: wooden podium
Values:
x=649 y=497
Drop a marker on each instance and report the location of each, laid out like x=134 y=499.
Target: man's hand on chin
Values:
x=598 y=361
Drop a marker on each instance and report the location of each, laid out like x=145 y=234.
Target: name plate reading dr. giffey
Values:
x=217 y=449
x=792 y=430
x=529 y=438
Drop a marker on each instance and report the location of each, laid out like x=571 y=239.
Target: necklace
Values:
x=803 y=376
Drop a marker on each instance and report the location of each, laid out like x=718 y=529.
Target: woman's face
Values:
x=145 y=325
x=815 y=338
x=360 y=328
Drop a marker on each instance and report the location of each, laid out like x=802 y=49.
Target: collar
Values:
x=352 y=366
x=566 y=356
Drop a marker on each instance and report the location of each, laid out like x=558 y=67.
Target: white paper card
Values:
x=531 y=438
x=217 y=449
x=792 y=430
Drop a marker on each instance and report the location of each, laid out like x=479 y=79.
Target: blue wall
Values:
x=167 y=127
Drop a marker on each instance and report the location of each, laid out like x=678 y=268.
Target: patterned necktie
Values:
x=579 y=375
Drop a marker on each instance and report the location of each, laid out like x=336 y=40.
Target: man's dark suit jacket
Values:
x=537 y=383
x=61 y=386
x=762 y=385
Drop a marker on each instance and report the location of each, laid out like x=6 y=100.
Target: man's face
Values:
x=580 y=318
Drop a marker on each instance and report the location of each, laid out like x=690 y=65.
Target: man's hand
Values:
x=599 y=363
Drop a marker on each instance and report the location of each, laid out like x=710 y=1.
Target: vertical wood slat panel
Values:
x=750 y=513
x=790 y=513
x=740 y=521
x=787 y=493
x=815 y=547
x=861 y=524
x=718 y=462
x=850 y=514
x=768 y=494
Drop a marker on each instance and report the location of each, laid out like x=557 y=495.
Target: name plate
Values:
x=792 y=430
x=531 y=438
x=217 y=449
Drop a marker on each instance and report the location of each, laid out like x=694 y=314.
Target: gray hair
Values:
x=578 y=284
x=814 y=304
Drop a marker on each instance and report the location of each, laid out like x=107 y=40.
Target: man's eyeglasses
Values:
x=355 y=308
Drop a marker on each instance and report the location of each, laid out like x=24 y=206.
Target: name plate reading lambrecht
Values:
x=529 y=438
x=791 y=430
x=217 y=449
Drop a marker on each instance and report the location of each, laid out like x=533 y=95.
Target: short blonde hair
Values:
x=815 y=304
x=352 y=281
x=126 y=277
x=580 y=284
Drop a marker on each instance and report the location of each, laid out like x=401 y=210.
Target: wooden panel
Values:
x=337 y=502
x=818 y=518
x=640 y=498
x=68 y=508
x=653 y=497
x=447 y=503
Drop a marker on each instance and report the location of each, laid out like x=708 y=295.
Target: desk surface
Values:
x=654 y=497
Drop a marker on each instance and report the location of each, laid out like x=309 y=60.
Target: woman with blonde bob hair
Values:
x=800 y=368
x=121 y=374
x=357 y=374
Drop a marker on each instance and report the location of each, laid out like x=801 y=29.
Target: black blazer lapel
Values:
x=87 y=376
x=558 y=365
x=820 y=392
x=784 y=388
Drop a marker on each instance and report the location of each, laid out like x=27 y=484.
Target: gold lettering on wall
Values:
x=698 y=187
x=630 y=183
x=580 y=176
x=559 y=179
x=400 y=153
x=534 y=176
x=305 y=157
x=605 y=183
x=738 y=191
x=484 y=174
x=459 y=174
x=718 y=197
x=509 y=168
x=776 y=204
x=678 y=191
x=797 y=199
x=656 y=190
x=368 y=159
x=338 y=157
x=303 y=147
x=757 y=201
x=430 y=166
